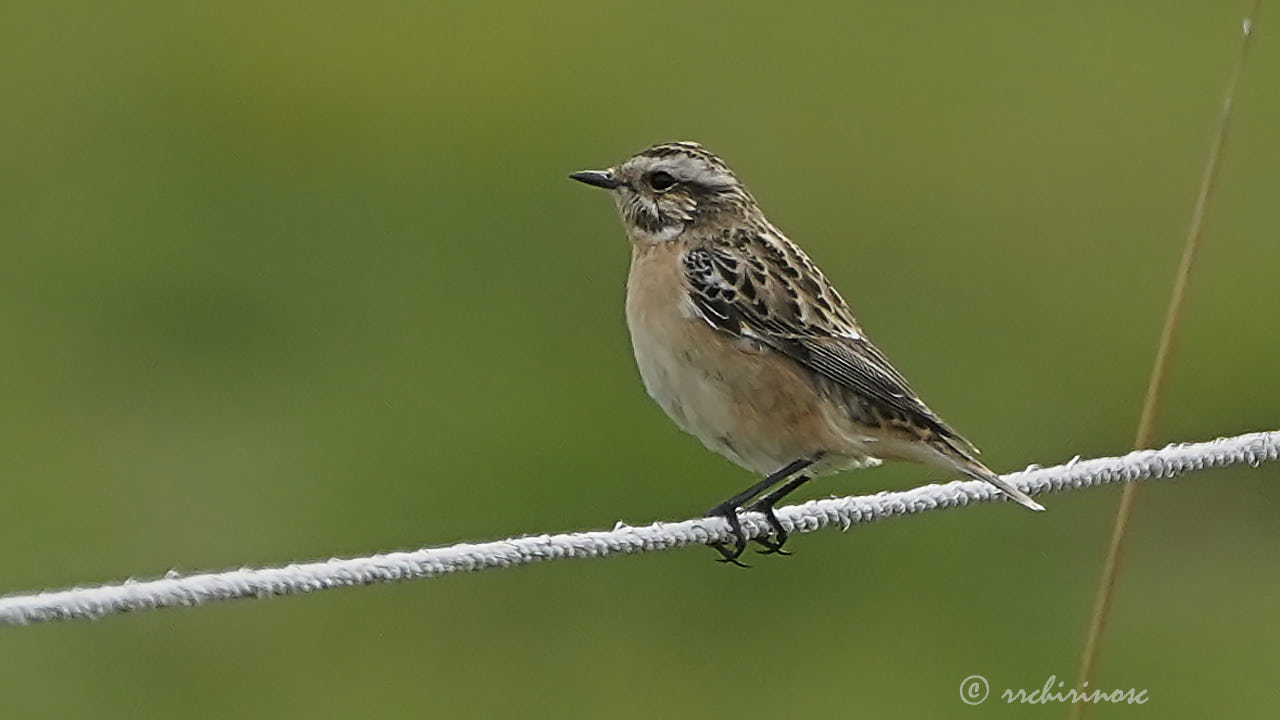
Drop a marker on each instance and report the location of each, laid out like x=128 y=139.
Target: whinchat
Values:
x=746 y=345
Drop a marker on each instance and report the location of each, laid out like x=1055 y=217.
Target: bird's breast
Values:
x=745 y=401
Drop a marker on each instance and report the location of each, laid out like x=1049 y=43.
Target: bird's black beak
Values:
x=599 y=178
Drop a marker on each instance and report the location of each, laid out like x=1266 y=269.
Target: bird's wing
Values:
x=761 y=287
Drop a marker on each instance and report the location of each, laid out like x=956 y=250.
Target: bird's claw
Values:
x=727 y=554
x=771 y=548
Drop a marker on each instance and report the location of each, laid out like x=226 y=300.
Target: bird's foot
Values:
x=772 y=546
x=730 y=554
x=729 y=511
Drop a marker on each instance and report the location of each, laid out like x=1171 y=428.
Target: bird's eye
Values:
x=661 y=180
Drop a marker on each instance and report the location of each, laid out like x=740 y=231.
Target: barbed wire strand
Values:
x=175 y=590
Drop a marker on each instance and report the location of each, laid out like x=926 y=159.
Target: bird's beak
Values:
x=599 y=178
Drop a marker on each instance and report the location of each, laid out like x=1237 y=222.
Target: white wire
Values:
x=845 y=512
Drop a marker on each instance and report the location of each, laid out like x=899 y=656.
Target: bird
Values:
x=741 y=339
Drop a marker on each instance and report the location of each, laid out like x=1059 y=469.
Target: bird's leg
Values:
x=730 y=513
x=765 y=505
x=729 y=509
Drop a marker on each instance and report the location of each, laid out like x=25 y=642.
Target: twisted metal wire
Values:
x=844 y=512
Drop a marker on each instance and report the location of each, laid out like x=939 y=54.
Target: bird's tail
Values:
x=978 y=471
x=951 y=450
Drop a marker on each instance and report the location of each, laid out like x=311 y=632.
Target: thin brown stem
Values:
x=1146 y=421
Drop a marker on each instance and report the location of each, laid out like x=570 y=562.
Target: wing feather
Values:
x=761 y=287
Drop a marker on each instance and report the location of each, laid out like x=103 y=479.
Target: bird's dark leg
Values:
x=729 y=509
x=765 y=505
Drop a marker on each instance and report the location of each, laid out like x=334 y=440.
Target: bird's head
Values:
x=662 y=191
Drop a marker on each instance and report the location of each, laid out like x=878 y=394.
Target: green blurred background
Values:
x=286 y=281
